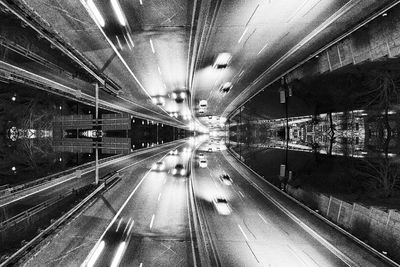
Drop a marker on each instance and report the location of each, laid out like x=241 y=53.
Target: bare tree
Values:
x=382 y=174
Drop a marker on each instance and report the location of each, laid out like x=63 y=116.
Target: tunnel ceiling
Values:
x=171 y=46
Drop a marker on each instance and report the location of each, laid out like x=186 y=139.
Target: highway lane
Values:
x=152 y=226
x=15 y=207
x=255 y=232
x=72 y=244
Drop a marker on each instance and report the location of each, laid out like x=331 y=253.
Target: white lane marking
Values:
x=152 y=220
x=141 y=264
x=241 y=194
x=262 y=218
x=119 y=223
x=159 y=196
x=297 y=256
x=245 y=236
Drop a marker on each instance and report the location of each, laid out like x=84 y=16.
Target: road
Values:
x=146 y=220
x=256 y=232
x=151 y=227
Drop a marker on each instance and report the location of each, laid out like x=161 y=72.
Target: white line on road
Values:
x=152 y=220
x=119 y=223
x=245 y=236
x=241 y=194
x=262 y=218
x=297 y=256
x=159 y=196
x=141 y=264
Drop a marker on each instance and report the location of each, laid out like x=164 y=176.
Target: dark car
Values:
x=179 y=170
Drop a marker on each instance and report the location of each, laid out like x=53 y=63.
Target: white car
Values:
x=203 y=104
x=203 y=163
x=158 y=166
x=222 y=206
x=226 y=179
x=173 y=152
x=201 y=156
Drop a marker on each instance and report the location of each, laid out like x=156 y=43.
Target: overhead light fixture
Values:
x=222 y=61
x=118 y=11
x=152 y=46
x=96 y=13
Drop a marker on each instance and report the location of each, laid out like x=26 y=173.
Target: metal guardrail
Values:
x=14 y=257
x=7 y=193
x=322 y=218
x=4 y=193
x=31 y=211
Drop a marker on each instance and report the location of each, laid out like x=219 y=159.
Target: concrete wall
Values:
x=377 y=227
x=378 y=39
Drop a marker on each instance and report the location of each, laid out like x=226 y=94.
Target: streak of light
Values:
x=127 y=42
x=130 y=228
x=159 y=70
x=152 y=46
x=152 y=221
x=130 y=40
x=245 y=236
x=243 y=34
x=259 y=52
x=118 y=255
x=119 y=43
x=118 y=11
x=96 y=13
x=126 y=227
x=159 y=197
x=119 y=223
x=96 y=254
